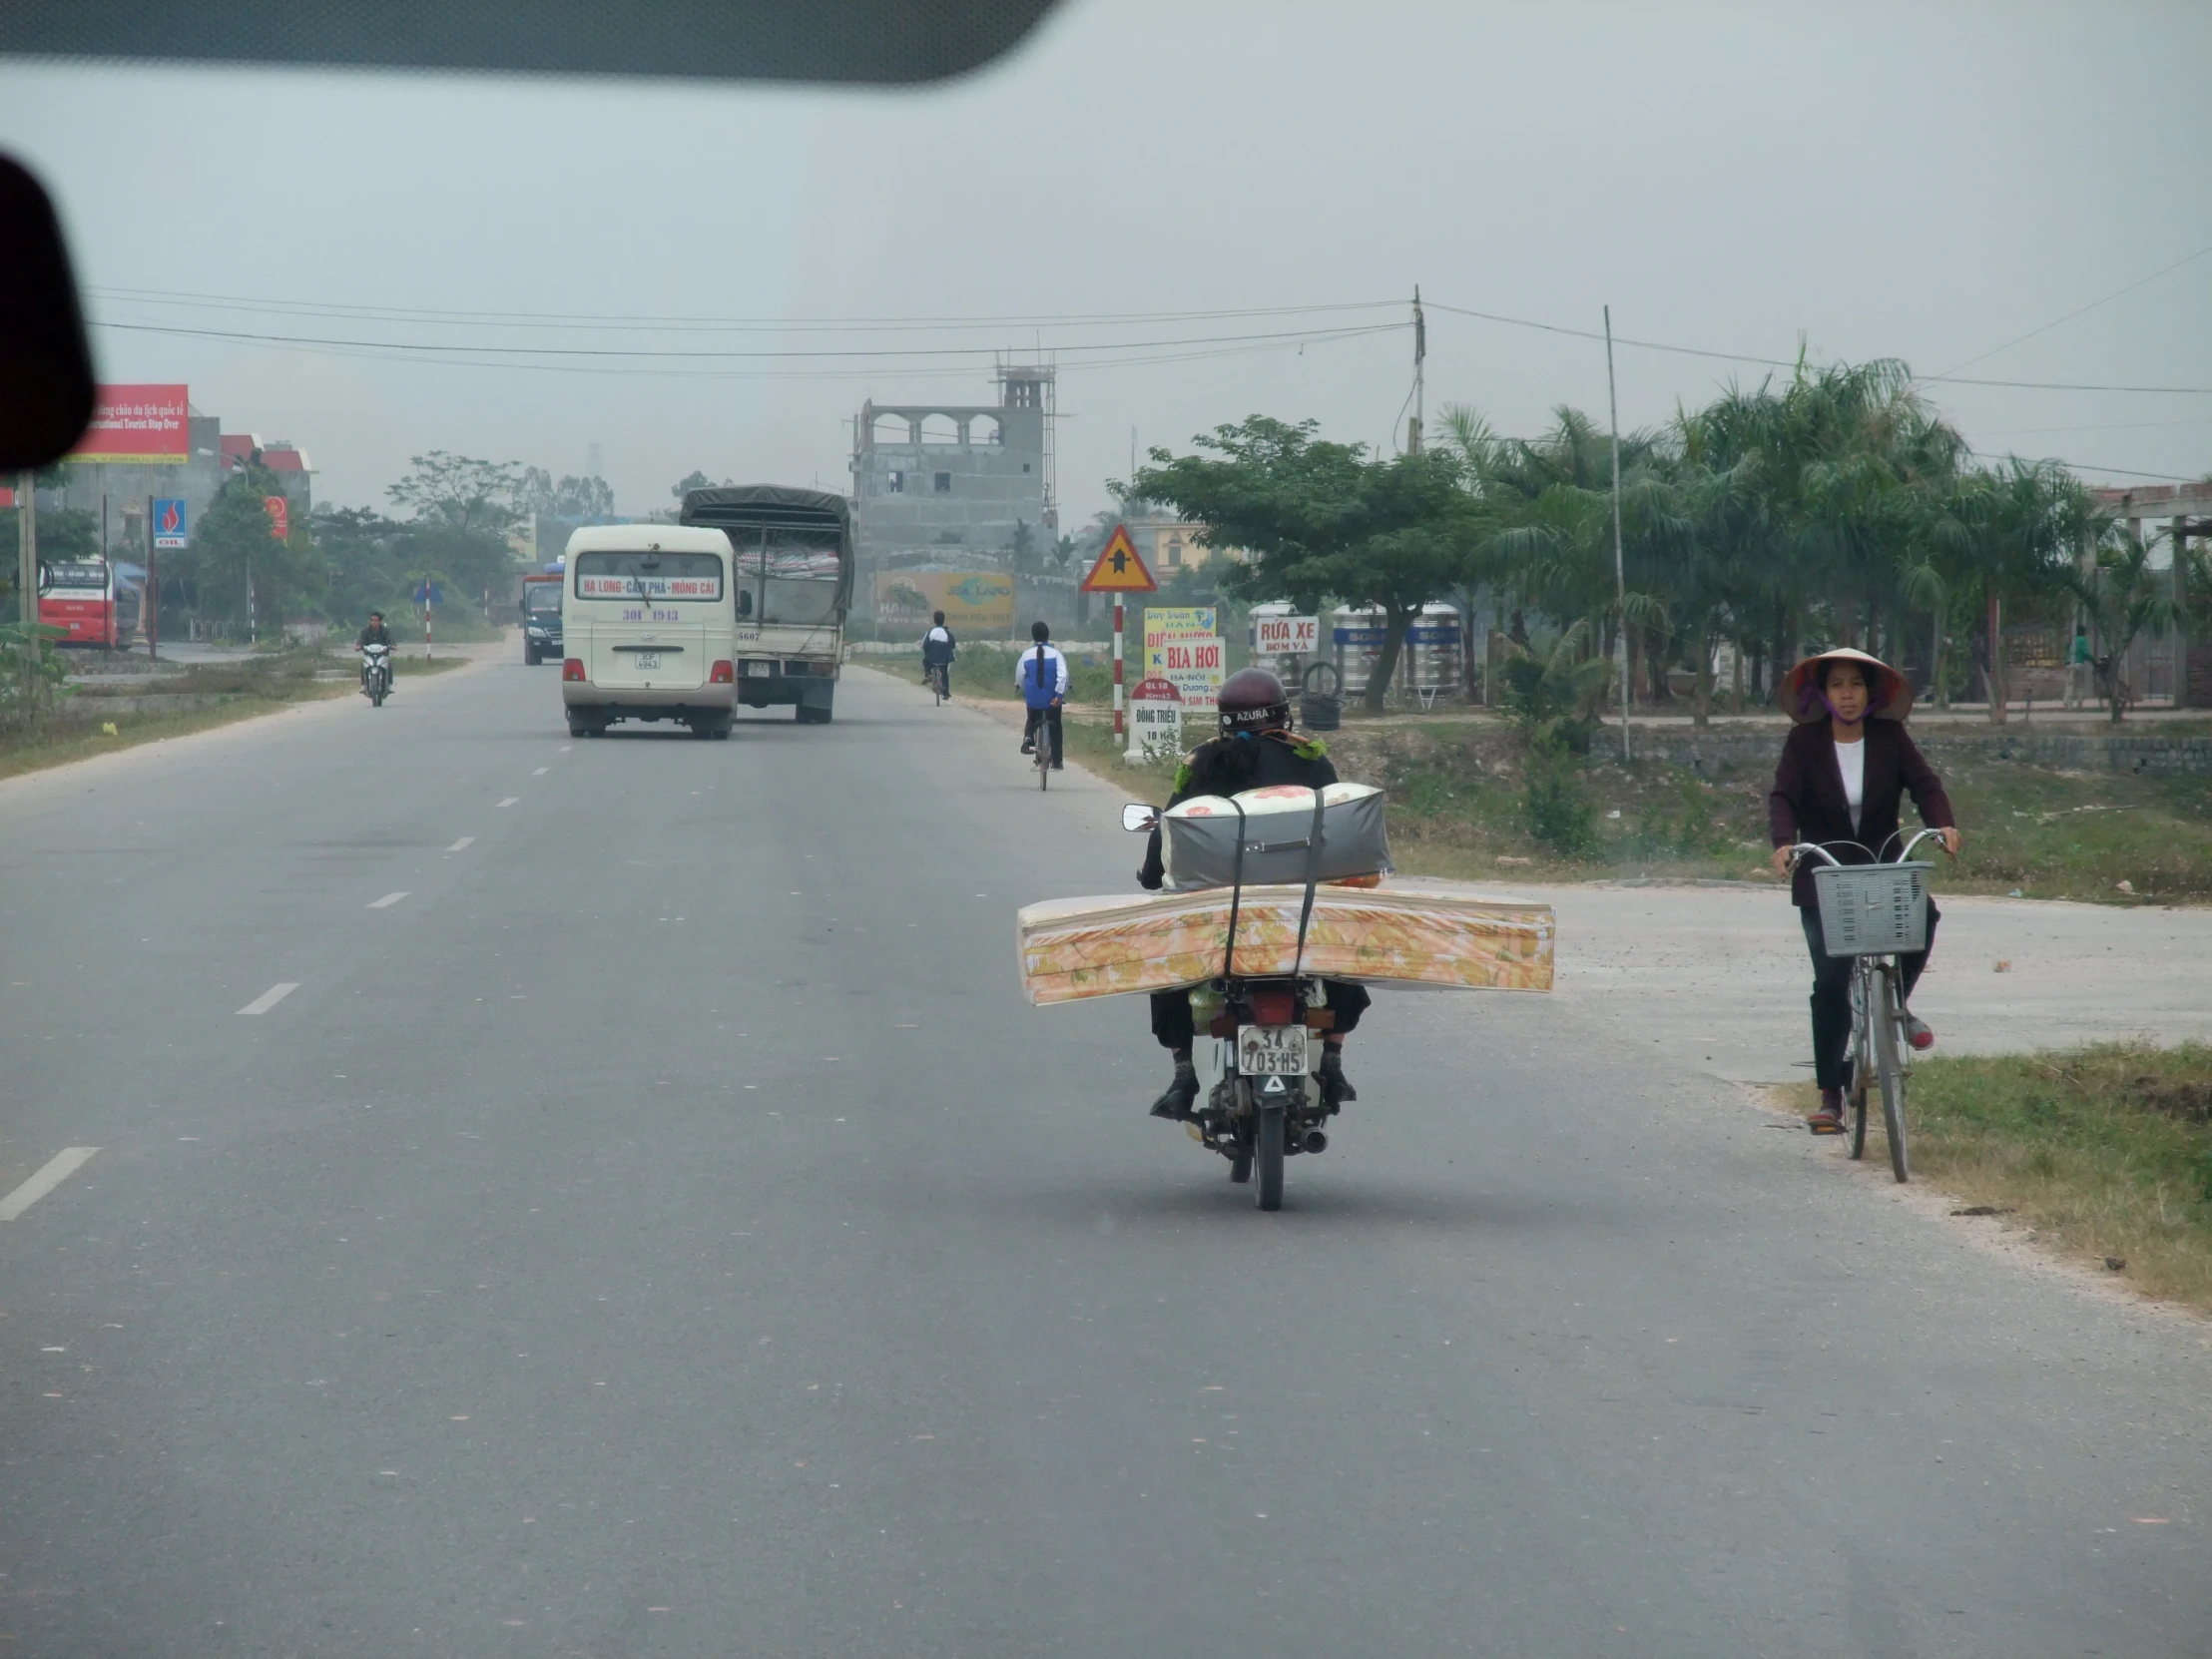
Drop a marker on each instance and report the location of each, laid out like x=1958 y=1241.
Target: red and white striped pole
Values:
x=1120 y=735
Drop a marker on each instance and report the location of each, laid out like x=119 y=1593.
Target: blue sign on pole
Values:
x=170 y=524
x=426 y=594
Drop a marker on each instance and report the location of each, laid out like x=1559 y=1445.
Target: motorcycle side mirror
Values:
x=1136 y=816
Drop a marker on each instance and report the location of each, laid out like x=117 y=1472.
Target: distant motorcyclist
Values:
x=1255 y=749
x=1042 y=674
x=938 y=648
x=375 y=633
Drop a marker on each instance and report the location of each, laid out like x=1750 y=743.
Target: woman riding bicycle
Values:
x=1842 y=779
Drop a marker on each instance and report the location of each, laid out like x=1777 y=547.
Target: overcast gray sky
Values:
x=1915 y=181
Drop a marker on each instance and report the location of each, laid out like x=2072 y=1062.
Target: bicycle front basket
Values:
x=1873 y=909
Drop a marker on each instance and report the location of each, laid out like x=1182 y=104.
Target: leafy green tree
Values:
x=237 y=565
x=682 y=487
x=2125 y=598
x=1322 y=519
x=463 y=511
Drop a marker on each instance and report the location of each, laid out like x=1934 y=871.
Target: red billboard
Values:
x=280 y=516
x=143 y=424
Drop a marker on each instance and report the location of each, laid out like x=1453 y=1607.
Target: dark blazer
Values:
x=1807 y=805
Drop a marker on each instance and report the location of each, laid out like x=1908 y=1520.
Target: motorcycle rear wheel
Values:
x=1267 y=1159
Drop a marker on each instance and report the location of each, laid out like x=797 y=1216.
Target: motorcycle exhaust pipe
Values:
x=1316 y=1141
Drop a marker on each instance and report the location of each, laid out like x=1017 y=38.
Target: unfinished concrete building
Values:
x=954 y=487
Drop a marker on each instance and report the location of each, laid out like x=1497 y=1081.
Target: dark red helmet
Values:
x=1253 y=700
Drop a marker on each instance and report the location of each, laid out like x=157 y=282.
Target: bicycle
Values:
x=941 y=681
x=1874 y=913
x=1043 y=745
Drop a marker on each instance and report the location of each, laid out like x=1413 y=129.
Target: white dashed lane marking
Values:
x=510 y=800
x=387 y=902
x=271 y=998
x=541 y=772
x=461 y=845
x=59 y=1168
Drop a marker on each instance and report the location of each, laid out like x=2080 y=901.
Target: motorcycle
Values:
x=1268 y=1105
x=376 y=673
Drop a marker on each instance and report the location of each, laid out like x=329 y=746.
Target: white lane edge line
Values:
x=58 y=1169
x=541 y=772
x=461 y=845
x=271 y=998
x=510 y=800
x=387 y=902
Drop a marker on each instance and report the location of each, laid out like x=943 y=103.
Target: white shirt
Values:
x=1850 y=760
x=940 y=634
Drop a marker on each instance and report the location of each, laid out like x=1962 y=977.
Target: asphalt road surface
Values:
x=663 y=1230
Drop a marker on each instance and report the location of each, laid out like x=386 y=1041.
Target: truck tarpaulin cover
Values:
x=1406 y=933
x=141 y=424
x=788 y=518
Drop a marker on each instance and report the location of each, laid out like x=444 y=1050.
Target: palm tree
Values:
x=2124 y=599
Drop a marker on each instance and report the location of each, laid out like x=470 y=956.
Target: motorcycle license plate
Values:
x=1271 y=1050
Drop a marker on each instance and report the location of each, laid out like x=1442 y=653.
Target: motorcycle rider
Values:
x=1042 y=674
x=377 y=634
x=938 y=648
x=1255 y=749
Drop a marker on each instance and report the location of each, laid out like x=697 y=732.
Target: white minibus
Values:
x=647 y=612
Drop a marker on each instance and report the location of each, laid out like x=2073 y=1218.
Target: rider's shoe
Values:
x=1181 y=1094
x=1336 y=1088
x=1829 y=1119
x=1059 y=765
x=1918 y=1034
x=1028 y=747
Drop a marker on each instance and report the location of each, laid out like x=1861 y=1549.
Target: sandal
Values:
x=1829 y=1119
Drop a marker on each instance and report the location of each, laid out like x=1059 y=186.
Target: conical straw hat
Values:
x=1800 y=692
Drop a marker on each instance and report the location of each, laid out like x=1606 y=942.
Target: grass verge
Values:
x=233 y=692
x=2104 y=1152
x=1458 y=809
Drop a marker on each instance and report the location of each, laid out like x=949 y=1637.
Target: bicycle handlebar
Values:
x=1801 y=848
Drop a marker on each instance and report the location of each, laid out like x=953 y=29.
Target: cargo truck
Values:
x=792 y=572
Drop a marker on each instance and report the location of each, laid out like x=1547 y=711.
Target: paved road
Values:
x=666 y=1231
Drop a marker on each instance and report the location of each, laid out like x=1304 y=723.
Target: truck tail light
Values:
x=724 y=672
x=573 y=669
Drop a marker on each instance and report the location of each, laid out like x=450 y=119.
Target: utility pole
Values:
x=1420 y=358
x=1620 y=576
x=26 y=582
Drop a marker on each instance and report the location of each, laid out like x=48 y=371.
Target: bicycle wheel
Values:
x=1044 y=754
x=1267 y=1159
x=1862 y=1063
x=1888 y=1021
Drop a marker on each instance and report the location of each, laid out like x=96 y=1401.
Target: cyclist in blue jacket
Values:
x=1042 y=674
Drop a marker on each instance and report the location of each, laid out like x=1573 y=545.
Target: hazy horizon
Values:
x=1886 y=182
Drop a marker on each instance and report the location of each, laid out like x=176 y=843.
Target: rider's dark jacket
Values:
x=1248 y=761
x=376 y=633
x=1808 y=802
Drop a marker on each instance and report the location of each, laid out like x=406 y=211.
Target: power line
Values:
x=2083 y=310
x=1781 y=363
x=1286 y=336
x=646 y=321
x=429 y=356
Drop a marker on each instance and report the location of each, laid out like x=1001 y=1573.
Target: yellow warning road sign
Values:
x=1119 y=569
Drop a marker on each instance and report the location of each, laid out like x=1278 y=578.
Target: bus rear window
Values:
x=74 y=575
x=647 y=575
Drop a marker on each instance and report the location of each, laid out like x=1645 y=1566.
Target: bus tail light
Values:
x=723 y=672
x=573 y=669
